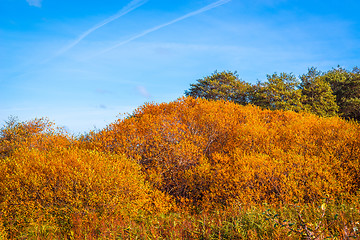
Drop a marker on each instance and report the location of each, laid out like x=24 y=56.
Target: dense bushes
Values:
x=216 y=152
x=64 y=182
x=38 y=133
x=186 y=162
x=49 y=187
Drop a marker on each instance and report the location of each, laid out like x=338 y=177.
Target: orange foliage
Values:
x=38 y=133
x=218 y=152
x=205 y=154
x=43 y=178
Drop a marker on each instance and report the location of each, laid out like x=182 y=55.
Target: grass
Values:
x=312 y=221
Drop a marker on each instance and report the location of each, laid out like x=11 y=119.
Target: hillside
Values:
x=247 y=172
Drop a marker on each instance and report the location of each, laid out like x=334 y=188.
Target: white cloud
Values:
x=35 y=3
x=146 y=32
x=134 y=4
x=143 y=91
x=102 y=106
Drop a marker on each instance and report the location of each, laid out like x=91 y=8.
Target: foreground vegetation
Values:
x=188 y=169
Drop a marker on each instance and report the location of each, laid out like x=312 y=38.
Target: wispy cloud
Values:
x=128 y=8
x=35 y=3
x=103 y=91
x=201 y=10
x=143 y=91
x=102 y=106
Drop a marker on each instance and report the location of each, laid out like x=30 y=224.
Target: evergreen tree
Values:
x=318 y=97
x=223 y=85
x=346 y=87
x=278 y=92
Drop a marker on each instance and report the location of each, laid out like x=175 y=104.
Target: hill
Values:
x=245 y=171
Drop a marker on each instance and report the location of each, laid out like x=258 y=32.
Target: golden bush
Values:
x=39 y=133
x=216 y=152
x=65 y=182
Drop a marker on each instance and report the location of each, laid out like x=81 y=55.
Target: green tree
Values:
x=225 y=85
x=278 y=92
x=346 y=87
x=318 y=97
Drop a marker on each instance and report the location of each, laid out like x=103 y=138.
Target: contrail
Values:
x=201 y=10
x=128 y=8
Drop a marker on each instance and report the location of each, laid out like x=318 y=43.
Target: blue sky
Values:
x=84 y=63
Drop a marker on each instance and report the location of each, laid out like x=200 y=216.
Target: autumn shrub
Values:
x=214 y=153
x=38 y=133
x=48 y=190
x=236 y=172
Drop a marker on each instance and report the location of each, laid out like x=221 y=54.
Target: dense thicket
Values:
x=218 y=152
x=46 y=181
x=336 y=92
x=194 y=168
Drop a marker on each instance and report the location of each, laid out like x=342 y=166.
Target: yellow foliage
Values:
x=217 y=152
x=38 y=133
x=205 y=154
x=67 y=181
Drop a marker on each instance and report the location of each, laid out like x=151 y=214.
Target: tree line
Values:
x=332 y=93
